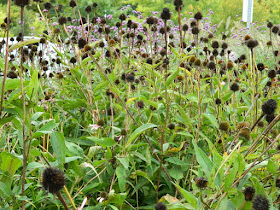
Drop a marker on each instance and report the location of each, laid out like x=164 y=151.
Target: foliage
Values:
x=134 y=116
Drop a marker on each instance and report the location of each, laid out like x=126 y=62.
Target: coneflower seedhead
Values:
x=140 y=104
x=165 y=15
x=271 y=74
x=269 y=107
x=21 y=3
x=201 y=182
x=48 y=6
x=234 y=87
x=224 y=126
x=72 y=4
x=215 y=44
x=178 y=3
x=171 y=126
x=198 y=16
x=62 y=20
x=195 y=30
x=249 y=193
x=269 y=118
x=269 y=24
x=122 y=17
x=275 y=29
x=252 y=43
x=245 y=133
x=260 y=203
x=53 y=179
x=260 y=66
x=218 y=101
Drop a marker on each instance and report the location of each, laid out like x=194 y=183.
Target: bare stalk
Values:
x=6 y=55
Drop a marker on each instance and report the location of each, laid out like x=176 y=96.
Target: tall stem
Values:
x=24 y=110
x=6 y=55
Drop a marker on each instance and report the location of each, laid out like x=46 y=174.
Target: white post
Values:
x=247 y=15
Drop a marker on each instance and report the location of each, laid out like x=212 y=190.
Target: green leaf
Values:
x=231 y=176
x=5 y=190
x=176 y=173
x=58 y=145
x=145 y=175
x=171 y=78
x=124 y=162
x=104 y=142
x=190 y=198
x=10 y=84
x=212 y=119
x=176 y=161
x=121 y=174
x=33 y=85
x=272 y=166
x=139 y=155
x=9 y=163
x=47 y=128
x=238 y=199
x=203 y=160
x=23 y=43
x=138 y=131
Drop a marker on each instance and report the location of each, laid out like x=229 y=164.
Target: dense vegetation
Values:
x=145 y=111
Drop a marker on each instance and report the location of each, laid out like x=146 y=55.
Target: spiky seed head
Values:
x=260 y=203
x=201 y=182
x=234 y=87
x=224 y=126
x=245 y=133
x=171 y=126
x=53 y=179
x=249 y=193
x=198 y=16
x=252 y=43
x=72 y=4
x=140 y=104
x=165 y=15
x=21 y=3
x=269 y=107
x=271 y=74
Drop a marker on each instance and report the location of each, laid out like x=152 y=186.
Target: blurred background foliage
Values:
x=227 y=12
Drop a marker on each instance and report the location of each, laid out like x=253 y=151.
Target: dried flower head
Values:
x=260 y=203
x=245 y=133
x=224 y=126
x=249 y=193
x=201 y=182
x=53 y=179
x=165 y=15
x=21 y=3
x=234 y=87
x=198 y=16
x=269 y=107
